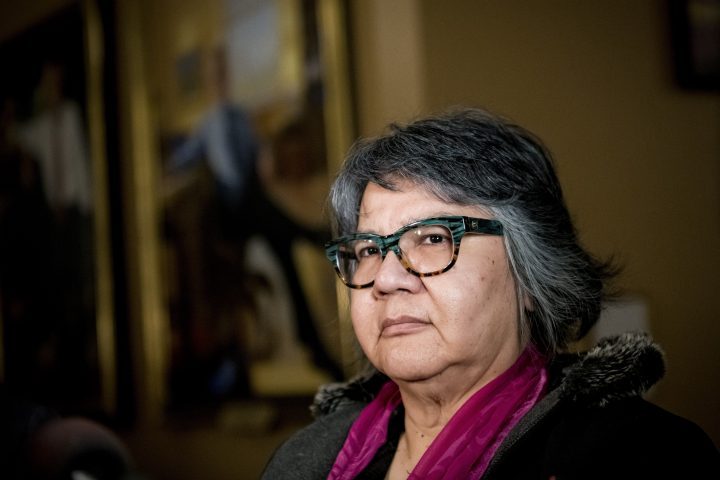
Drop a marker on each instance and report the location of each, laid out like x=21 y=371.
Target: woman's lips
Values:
x=391 y=327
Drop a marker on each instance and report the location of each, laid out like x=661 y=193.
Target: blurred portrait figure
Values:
x=468 y=286
x=226 y=140
x=225 y=237
x=55 y=136
x=47 y=247
x=25 y=227
x=222 y=150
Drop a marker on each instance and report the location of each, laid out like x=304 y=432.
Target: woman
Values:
x=467 y=286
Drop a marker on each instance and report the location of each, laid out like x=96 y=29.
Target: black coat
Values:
x=592 y=424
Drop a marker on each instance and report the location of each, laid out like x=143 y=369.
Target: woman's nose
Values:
x=392 y=276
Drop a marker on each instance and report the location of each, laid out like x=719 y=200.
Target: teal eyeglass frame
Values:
x=458 y=226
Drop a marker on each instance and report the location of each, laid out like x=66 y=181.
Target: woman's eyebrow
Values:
x=407 y=221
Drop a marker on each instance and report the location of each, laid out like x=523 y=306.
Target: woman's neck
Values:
x=410 y=450
x=424 y=419
x=430 y=403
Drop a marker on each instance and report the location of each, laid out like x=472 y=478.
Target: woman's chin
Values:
x=400 y=371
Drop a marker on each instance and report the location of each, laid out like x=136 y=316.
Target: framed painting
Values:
x=695 y=26
x=55 y=307
x=248 y=115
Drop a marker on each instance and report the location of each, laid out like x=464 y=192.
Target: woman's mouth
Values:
x=404 y=325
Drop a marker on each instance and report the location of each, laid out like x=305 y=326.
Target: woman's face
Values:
x=461 y=323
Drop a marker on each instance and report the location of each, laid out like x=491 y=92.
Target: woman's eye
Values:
x=367 y=252
x=435 y=238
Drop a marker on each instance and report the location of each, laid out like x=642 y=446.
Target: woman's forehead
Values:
x=383 y=210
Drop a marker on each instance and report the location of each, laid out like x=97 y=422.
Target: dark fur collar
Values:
x=620 y=366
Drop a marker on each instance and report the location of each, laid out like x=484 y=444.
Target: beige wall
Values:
x=639 y=158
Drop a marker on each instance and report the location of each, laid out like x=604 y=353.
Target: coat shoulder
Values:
x=635 y=438
x=311 y=451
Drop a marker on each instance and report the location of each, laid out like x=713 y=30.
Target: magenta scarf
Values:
x=465 y=445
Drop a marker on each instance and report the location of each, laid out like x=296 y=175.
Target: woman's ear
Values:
x=528 y=302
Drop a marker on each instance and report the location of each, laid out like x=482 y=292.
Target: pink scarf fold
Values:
x=465 y=446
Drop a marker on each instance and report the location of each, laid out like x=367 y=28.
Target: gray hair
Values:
x=472 y=157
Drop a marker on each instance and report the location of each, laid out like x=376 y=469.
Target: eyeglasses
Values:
x=425 y=248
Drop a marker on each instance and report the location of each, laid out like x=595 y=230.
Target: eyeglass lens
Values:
x=425 y=249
